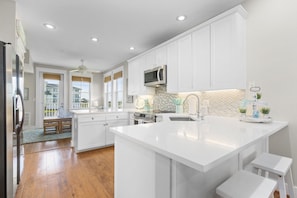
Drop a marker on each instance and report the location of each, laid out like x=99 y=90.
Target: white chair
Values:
x=244 y=184
x=278 y=165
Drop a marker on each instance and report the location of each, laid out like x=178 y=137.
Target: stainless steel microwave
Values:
x=156 y=76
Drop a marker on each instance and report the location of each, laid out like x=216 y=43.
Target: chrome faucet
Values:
x=198 y=103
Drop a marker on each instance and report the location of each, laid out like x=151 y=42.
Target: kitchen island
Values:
x=185 y=159
x=90 y=127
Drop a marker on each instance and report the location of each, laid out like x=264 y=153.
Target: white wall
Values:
x=97 y=88
x=29 y=82
x=272 y=64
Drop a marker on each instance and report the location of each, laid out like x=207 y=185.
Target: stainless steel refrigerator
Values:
x=11 y=120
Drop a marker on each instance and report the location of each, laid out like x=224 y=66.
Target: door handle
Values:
x=19 y=126
x=158 y=74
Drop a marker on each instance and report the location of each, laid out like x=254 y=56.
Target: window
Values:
x=80 y=92
x=114 y=89
x=51 y=97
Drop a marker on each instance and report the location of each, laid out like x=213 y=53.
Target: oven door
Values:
x=143 y=121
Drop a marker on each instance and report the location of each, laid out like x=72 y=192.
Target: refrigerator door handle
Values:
x=19 y=126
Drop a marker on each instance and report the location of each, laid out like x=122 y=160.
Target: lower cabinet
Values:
x=109 y=138
x=90 y=135
x=92 y=131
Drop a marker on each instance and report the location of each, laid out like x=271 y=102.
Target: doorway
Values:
x=51 y=93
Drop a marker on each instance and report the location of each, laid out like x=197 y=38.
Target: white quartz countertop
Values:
x=199 y=144
x=96 y=111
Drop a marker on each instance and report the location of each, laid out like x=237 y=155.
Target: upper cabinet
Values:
x=210 y=56
x=189 y=62
x=228 y=53
x=136 y=78
x=201 y=59
x=161 y=56
x=138 y=65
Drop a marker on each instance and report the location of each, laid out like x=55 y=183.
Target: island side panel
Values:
x=191 y=183
x=134 y=170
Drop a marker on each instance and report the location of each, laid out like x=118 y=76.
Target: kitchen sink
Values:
x=181 y=119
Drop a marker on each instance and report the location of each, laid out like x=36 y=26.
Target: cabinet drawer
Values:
x=91 y=118
x=117 y=116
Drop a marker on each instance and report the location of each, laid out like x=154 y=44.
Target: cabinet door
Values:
x=133 y=77
x=161 y=56
x=90 y=135
x=136 y=78
x=150 y=61
x=201 y=59
x=227 y=52
x=185 y=66
x=113 y=123
x=172 y=67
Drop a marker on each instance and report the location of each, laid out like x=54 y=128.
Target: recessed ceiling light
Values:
x=132 y=48
x=94 y=39
x=181 y=18
x=49 y=26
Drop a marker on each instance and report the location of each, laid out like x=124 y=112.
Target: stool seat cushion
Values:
x=244 y=184
x=273 y=163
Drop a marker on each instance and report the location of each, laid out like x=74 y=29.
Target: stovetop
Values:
x=154 y=112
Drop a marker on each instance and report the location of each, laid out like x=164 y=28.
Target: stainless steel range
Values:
x=143 y=117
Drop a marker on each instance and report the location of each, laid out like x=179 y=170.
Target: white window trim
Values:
x=88 y=75
x=110 y=73
x=39 y=95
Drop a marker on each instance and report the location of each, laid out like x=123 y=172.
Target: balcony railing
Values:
x=51 y=110
x=80 y=105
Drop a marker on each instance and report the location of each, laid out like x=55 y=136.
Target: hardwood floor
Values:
x=57 y=171
x=53 y=170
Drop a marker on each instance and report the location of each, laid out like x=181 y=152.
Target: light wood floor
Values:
x=53 y=170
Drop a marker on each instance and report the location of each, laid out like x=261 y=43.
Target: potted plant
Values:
x=265 y=111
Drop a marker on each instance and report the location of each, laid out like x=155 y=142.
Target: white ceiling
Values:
x=118 y=24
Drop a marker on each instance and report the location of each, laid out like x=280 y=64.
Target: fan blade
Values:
x=93 y=71
x=74 y=70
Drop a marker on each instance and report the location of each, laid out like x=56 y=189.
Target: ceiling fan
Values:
x=83 y=69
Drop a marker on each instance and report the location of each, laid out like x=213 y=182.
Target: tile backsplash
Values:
x=221 y=103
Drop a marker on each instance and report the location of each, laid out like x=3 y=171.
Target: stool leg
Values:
x=289 y=179
x=282 y=187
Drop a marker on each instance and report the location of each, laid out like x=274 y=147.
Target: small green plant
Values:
x=265 y=110
x=259 y=95
x=242 y=110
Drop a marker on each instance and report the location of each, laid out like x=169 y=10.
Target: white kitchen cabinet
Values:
x=114 y=120
x=113 y=123
x=185 y=64
x=172 y=67
x=133 y=77
x=91 y=131
x=201 y=59
x=228 y=53
x=161 y=56
x=210 y=58
x=150 y=60
x=136 y=78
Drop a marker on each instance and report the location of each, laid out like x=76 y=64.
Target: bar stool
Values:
x=244 y=184
x=278 y=165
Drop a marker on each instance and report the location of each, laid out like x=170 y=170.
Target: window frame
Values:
x=71 y=89
x=114 y=93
